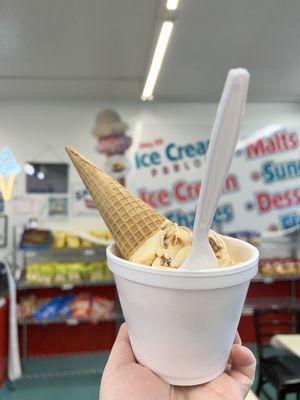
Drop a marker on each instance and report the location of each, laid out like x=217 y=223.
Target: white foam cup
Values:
x=182 y=323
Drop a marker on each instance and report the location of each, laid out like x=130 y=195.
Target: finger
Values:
x=237 y=339
x=121 y=352
x=243 y=363
x=228 y=366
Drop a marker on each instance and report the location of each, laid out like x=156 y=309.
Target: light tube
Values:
x=159 y=53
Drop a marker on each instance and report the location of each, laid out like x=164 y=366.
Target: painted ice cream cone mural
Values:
x=113 y=142
x=9 y=168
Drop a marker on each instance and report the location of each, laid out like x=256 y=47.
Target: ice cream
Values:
x=171 y=244
x=142 y=234
x=116 y=143
x=113 y=142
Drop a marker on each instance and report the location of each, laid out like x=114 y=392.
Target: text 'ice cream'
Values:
x=141 y=234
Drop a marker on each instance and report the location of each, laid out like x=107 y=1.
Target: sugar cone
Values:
x=130 y=220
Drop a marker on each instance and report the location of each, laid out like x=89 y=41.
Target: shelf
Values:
x=65 y=251
x=64 y=365
x=275 y=278
x=290 y=244
x=23 y=285
x=114 y=316
x=269 y=302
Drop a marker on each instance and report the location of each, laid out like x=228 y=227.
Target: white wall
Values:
x=26 y=128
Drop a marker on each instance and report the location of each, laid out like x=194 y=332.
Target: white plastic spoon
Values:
x=222 y=143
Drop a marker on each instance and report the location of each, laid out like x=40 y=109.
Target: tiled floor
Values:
x=55 y=389
x=75 y=388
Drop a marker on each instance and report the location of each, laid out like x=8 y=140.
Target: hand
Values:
x=125 y=379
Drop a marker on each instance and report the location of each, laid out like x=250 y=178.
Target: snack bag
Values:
x=49 y=310
x=59 y=239
x=100 y=307
x=74 y=272
x=86 y=270
x=101 y=234
x=86 y=244
x=96 y=271
x=73 y=242
x=33 y=273
x=47 y=273
x=26 y=306
x=65 y=309
x=80 y=306
x=61 y=273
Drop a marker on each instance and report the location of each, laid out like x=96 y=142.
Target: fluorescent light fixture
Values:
x=172 y=4
x=159 y=53
x=28 y=169
x=40 y=175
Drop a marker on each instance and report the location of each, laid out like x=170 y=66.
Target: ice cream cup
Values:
x=182 y=324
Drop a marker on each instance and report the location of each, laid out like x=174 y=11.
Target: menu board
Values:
x=262 y=190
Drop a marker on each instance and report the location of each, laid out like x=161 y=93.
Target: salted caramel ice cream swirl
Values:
x=170 y=246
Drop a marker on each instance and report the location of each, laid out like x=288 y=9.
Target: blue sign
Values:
x=8 y=164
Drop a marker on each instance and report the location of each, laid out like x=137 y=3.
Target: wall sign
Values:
x=58 y=207
x=82 y=203
x=262 y=190
x=9 y=168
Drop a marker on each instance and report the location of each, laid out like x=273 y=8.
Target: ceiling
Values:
x=100 y=49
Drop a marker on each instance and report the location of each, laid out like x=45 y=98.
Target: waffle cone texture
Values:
x=130 y=220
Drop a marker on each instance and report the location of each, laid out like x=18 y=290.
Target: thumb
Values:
x=121 y=352
x=243 y=365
